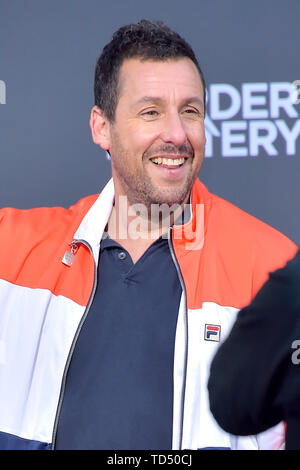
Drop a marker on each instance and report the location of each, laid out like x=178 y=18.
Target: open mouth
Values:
x=169 y=162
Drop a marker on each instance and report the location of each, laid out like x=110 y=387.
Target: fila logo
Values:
x=212 y=332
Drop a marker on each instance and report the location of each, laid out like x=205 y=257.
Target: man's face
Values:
x=157 y=139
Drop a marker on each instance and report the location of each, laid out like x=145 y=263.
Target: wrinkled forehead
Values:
x=139 y=77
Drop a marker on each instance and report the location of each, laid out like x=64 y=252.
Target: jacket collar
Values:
x=186 y=236
x=94 y=222
x=190 y=235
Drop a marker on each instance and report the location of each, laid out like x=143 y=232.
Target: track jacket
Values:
x=48 y=267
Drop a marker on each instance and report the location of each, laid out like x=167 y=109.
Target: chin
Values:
x=171 y=196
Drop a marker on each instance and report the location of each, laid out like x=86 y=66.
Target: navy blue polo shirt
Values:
x=119 y=388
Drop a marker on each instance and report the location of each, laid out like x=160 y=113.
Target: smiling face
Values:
x=157 y=139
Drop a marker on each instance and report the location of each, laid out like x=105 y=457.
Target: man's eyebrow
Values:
x=149 y=99
x=157 y=99
x=194 y=99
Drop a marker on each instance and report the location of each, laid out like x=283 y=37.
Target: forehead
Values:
x=177 y=77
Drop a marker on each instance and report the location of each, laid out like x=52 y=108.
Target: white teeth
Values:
x=168 y=161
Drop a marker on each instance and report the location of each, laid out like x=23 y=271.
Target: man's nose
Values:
x=173 y=129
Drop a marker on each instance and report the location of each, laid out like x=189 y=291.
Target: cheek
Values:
x=142 y=139
x=197 y=141
x=128 y=141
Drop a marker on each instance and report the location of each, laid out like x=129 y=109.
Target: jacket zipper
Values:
x=61 y=397
x=62 y=390
x=186 y=332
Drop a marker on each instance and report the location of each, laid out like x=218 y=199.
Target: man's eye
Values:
x=191 y=111
x=150 y=112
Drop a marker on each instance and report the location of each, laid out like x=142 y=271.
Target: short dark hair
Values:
x=148 y=40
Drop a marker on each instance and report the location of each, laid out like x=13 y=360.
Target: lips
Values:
x=170 y=168
x=168 y=162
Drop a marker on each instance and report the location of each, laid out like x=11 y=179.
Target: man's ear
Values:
x=99 y=125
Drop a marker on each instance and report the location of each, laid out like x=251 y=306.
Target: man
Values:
x=255 y=381
x=112 y=309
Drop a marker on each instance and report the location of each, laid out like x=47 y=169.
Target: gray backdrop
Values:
x=248 y=50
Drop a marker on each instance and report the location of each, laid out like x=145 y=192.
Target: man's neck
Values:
x=136 y=227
